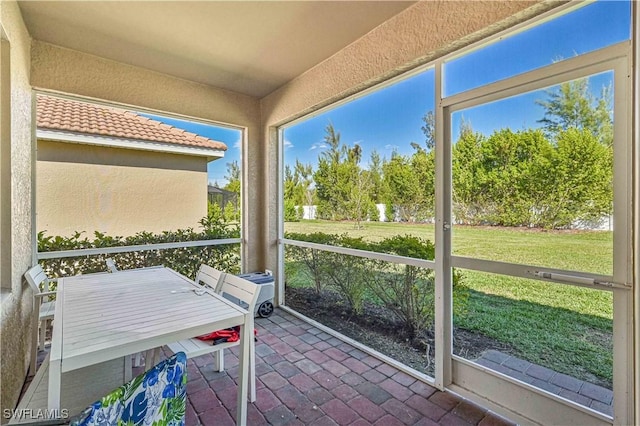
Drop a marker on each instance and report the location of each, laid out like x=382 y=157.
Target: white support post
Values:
x=634 y=124
x=623 y=334
x=622 y=358
x=443 y=288
x=55 y=376
x=252 y=357
x=219 y=360
x=280 y=278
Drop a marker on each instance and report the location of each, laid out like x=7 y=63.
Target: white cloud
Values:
x=319 y=145
x=287 y=144
x=391 y=147
x=238 y=144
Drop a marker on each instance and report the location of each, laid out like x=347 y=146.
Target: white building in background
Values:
x=309 y=212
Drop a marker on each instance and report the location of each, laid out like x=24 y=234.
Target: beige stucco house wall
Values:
x=114 y=171
x=15 y=208
x=117 y=191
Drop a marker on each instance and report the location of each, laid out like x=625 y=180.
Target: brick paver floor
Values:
x=584 y=393
x=307 y=377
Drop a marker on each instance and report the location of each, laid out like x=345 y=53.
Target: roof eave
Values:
x=136 y=144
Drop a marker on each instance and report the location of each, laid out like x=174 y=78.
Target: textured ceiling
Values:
x=250 y=47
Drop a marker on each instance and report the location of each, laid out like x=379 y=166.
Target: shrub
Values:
x=291 y=212
x=341 y=272
x=314 y=260
x=185 y=260
x=405 y=290
x=348 y=274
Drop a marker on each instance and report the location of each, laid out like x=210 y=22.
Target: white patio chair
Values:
x=206 y=276
x=247 y=293
x=43 y=309
x=210 y=277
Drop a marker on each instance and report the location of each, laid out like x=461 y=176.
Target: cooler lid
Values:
x=258 y=277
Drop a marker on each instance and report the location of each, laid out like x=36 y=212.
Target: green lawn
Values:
x=563 y=327
x=588 y=251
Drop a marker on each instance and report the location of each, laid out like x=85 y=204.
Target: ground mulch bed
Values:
x=378 y=329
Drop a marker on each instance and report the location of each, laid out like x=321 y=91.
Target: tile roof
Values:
x=55 y=113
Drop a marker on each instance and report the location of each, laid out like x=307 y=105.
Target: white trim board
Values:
x=136 y=144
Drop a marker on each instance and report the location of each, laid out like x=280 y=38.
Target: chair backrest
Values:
x=210 y=277
x=37 y=279
x=158 y=396
x=111 y=265
x=240 y=290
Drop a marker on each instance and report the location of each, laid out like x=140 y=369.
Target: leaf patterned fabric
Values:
x=156 y=398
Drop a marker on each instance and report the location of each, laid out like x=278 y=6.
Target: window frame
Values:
x=144 y=247
x=465 y=377
x=614 y=58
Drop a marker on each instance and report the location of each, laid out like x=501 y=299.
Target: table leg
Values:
x=252 y=360
x=151 y=358
x=243 y=369
x=128 y=369
x=55 y=376
x=219 y=355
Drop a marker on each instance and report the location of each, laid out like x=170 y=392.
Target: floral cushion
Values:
x=157 y=397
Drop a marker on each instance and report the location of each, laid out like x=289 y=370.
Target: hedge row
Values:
x=184 y=260
x=405 y=290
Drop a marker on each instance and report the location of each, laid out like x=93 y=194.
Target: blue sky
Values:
x=390 y=119
x=216 y=170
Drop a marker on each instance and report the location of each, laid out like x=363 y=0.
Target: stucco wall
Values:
x=416 y=36
x=58 y=69
x=16 y=307
x=117 y=191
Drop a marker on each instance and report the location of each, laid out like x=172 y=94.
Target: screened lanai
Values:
x=456 y=179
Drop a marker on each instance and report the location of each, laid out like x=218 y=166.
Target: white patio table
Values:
x=100 y=317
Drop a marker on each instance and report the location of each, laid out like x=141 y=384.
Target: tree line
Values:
x=552 y=177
